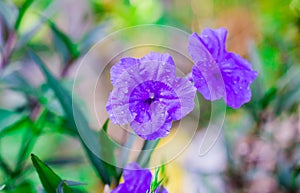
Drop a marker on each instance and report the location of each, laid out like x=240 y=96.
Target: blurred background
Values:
x=258 y=150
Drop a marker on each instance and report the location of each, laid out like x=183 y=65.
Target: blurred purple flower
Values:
x=137 y=180
x=148 y=95
x=218 y=73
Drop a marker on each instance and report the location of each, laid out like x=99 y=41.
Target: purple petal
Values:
x=186 y=93
x=218 y=73
x=215 y=42
x=146 y=88
x=197 y=49
x=158 y=67
x=118 y=108
x=162 y=58
x=208 y=80
x=156 y=126
x=124 y=65
x=161 y=189
x=137 y=180
x=238 y=77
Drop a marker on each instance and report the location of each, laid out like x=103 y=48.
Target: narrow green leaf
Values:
x=73 y=112
x=49 y=101
x=105 y=126
x=17 y=82
x=71 y=47
x=22 y=12
x=48 y=8
x=108 y=152
x=269 y=97
x=9 y=119
x=49 y=179
x=24 y=187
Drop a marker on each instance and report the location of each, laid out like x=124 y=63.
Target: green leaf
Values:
x=17 y=82
x=46 y=8
x=73 y=113
x=49 y=179
x=108 y=152
x=24 y=187
x=10 y=119
x=65 y=44
x=49 y=101
x=155 y=182
x=269 y=97
x=22 y=12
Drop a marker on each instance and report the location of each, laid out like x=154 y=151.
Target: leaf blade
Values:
x=49 y=179
x=73 y=112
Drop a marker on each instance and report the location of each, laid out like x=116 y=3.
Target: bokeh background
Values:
x=258 y=150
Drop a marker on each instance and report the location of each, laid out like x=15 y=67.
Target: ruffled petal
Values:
x=215 y=42
x=197 y=49
x=125 y=65
x=157 y=66
x=156 y=126
x=185 y=92
x=238 y=76
x=208 y=80
x=162 y=58
x=218 y=73
x=137 y=180
x=148 y=95
x=118 y=108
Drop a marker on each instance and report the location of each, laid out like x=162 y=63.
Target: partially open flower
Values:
x=217 y=73
x=148 y=95
x=137 y=180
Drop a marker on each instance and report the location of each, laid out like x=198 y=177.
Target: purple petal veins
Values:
x=218 y=73
x=148 y=95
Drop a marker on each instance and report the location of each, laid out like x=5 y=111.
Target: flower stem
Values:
x=146 y=152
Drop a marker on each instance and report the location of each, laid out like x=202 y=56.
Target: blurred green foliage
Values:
x=43 y=121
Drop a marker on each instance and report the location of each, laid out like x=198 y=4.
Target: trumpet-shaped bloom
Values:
x=137 y=180
x=218 y=73
x=148 y=95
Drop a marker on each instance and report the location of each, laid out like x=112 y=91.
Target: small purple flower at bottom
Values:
x=218 y=73
x=148 y=95
x=137 y=180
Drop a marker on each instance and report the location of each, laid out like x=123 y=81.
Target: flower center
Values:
x=151 y=98
x=146 y=93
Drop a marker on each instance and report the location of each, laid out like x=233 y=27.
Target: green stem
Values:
x=146 y=152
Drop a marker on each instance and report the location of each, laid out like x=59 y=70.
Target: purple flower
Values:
x=218 y=73
x=137 y=180
x=148 y=95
